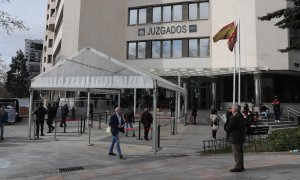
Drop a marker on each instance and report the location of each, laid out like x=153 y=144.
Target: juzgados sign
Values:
x=162 y=30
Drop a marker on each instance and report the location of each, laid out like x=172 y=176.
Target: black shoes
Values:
x=2 y=138
x=121 y=157
x=49 y=132
x=42 y=134
x=133 y=135
x=237 y=170
x=111 y=154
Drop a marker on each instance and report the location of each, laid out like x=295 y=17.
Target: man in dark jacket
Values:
x=129 y=120
x=146 y=120
x=116 y=122
x=51 y=114
x=3 y=119
x=40 y=118
x=236 y=128
x=228 y=116
x=64 y=113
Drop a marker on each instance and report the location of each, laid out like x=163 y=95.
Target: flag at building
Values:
x=225 y=32
x=232 y=39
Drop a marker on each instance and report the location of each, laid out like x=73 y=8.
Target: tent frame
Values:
x=157 y=82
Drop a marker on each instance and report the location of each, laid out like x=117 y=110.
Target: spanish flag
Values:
x=225 y=32
x=232 y=39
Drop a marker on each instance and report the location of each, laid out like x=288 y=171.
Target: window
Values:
x=50 y=43
x=49 y=59
x=142 y=16
x=177 y=48
x=204 y=47
x=156 y=15
x=133 y=17
x=167 y=14
x=166 y=49
x=193 y=47
x=204 y=10
x=44 y=69
x=177 y=13
x=132 y=50
x=44 y=59
x=52 y=12
x=193 y=11
x=155 y=49
x=141 y=50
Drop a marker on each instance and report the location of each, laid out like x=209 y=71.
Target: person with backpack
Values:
x=215 y=121
x=51 y=114
x=40 y=118
x=64 y=114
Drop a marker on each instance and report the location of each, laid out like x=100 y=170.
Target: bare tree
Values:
x=9 y=23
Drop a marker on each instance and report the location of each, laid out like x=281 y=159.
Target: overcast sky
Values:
x=33 y=13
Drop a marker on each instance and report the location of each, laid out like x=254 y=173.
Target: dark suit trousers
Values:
x=238 y=154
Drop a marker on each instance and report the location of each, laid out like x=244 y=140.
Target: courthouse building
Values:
x=173 y=39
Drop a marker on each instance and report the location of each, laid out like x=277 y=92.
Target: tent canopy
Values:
x=91 y=69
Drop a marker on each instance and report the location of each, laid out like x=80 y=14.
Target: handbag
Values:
x=215 y=127
x=108 y=129
x=122 y=129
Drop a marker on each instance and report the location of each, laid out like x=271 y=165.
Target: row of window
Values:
x=168 y=13
x=176 y=48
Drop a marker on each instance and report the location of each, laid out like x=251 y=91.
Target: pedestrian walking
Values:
x=194 y=114
x=276 y=107
x=116 y=123
x=215 y=121
x=172 y=107
x=129 y=121
x=64 y=114
x=40 y=118
x=228 y=116
x=3 y=119
x=236 y=128
x=51 y=114
x=146 y=120
x=91 y=113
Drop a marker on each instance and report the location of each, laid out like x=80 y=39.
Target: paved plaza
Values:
x=179 y=158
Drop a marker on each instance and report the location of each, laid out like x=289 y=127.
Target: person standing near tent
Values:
x=147 y=120
x=51 y=114
x=215 y=121
x=129 y=120
x=40 y=118
x=3 y=119
x=116 y=124
x=64 y=114
x=91 y=112
x=194 y=113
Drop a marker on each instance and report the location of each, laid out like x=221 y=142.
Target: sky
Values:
x=33 y=13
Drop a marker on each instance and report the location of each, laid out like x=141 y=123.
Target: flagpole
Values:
x=234 y=76
x=239 y=35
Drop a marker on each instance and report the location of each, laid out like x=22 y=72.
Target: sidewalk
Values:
x=42 y=159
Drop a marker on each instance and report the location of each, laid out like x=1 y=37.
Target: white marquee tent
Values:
x=90 y=69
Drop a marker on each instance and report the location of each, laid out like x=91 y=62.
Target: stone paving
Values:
x=178 y=159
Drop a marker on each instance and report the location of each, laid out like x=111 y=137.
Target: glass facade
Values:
x=166 y=49
x=177 y=48
x=177 y=13
x=156 y=49
x=156 y=15
x=204 y=47
x=141 y=50
x=132 y=50
x=193 y=47
x=167 y=13
x=193 y=11
x=133 y=16
x=204 y=10
x=142 y=16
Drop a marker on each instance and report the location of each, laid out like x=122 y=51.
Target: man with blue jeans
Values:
x=129 y=120
x=116 y=123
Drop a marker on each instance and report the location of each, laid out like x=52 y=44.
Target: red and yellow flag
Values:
x=232 y=39
x=225 y=32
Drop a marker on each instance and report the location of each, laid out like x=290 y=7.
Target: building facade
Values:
x=33 y=53
x=173 y=39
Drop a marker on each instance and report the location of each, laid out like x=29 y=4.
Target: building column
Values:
x=213 y=93
x=178 y=98
x=30 y=113
x=154 y=125
x=257 y=90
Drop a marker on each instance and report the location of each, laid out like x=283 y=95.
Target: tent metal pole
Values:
x=30 y=114
x=88 y=117
x=185 y=106
x=176 y=114
x=119 y=99
x=134 y=101
x=178 y=93
x=154 y=131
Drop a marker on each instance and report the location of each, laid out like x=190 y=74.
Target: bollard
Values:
x=158 y=136
x=78 y=125
x=65 y=126
x=81 y=119
x=185 y=120
x=106 y=117
x=100 y=121
x=55 y=125
x=139 y=130
x=84 y=124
